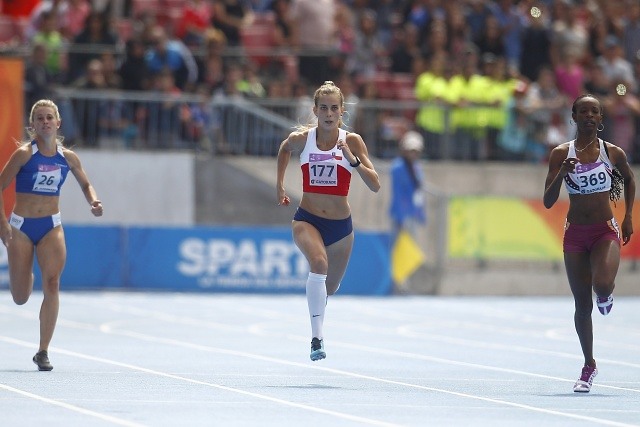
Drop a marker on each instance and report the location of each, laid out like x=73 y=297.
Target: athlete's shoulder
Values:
x=298 y=136
x=562 y=148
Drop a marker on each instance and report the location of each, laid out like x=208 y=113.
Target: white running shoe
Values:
x=583 y=385
x=605 y=304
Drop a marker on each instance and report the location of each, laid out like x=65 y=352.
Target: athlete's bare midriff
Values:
x=326 y=205
x=589 y=208
x=35 y=205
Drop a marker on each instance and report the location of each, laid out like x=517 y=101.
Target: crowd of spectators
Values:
x=483 y=79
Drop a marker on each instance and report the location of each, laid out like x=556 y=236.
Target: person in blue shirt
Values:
x=39 y=168
x=407 y=207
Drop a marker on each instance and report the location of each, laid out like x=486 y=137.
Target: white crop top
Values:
x=588 y=178
x=325 y=172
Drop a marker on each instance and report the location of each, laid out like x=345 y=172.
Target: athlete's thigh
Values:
x=20 y=255
x=578 y=268
x=52 y=252
x=605 y=260
x=338 y=255
x=309 y=241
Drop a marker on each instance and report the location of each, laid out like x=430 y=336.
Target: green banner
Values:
x=483 y=227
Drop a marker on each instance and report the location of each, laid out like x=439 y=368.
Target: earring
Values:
x=600 y=127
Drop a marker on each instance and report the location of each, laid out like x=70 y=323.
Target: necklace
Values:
x=580 y=150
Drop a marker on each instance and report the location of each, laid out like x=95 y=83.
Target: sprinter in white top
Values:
x=322 y=226
x=595 y=173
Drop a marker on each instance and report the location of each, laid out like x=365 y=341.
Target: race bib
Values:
x=47 y=179
x=323 y=170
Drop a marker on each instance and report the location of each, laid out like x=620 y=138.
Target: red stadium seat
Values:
x=9 y=30
x=258 y=38
x=403 y=86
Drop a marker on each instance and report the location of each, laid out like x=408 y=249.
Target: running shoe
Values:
x=583 y=385
x=42 y=360
x=605 y=304
x=317 y=349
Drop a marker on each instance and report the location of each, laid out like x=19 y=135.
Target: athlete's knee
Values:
x=332 y=288
x=51 y=285
x=20 y=296
x=584 y=309
x=21 y=290
x=319 y=264
x=603 y=289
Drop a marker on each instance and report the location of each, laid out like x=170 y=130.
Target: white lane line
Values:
x=408 y=332
x=341 y=415
x=169 y=341
x=108 y=329
x=104 y=417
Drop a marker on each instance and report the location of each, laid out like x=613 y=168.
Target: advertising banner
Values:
x=11 y=119
x=215 y=259
x=486 y=227
x=244 y=260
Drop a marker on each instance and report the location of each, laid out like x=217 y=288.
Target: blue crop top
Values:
x=42 y=175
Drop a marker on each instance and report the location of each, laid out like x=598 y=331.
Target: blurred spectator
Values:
x=468 y=120
x=77 y=12
x=211 y=67
x=368 y=119
x=405 y=50
x=623 y=108
x=261 y=6
x=500 y=90
x=172 y=55
x=133 y=71
x=230 y=16
x=432 y=89
x=437 y=39
x=542 y=103
x=569 y=37
x=514 y=138
x=110 y=70
x=283 y=25
x=598 y=83
x=55 y=44
x=250 y=83
x=368 y=52
x=304 y=103
x=490 y=39
x=195 y=19
x=512 y=21
x=70 y=16
x=422 y=14
x=314 y=33
x=476 y=13
x=570 y=76
x=631 y=32
x=407 y=208
x=89 y=111
x=197 y=119
x=164 y=119
x=95 y=37
x=351 y=100
x=38 y=80
x=389 y=18
x=457 y=28
x=615 y=66
x=536 y=42
x=346 y=34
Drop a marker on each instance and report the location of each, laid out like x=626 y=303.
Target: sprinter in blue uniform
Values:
x=40 y=167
